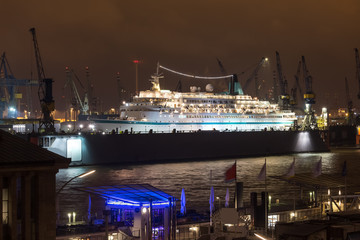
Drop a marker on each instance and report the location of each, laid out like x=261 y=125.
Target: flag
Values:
x=89 y=210
x=262 y=174
x=344 y=169
x=227 y=198
x=231 y=173
x=291 y=171
x=183 y=202
x=211 y=200
x=317 y=169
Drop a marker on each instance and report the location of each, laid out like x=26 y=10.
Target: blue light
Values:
x=122 y=203
x=157 y=204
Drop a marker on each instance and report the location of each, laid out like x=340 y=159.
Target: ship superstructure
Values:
x=158 y=110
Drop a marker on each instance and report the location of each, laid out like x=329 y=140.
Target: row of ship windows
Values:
x=208 y=101
x=227 y=116
x=191 y=101
x=190 y=106
x=213 y=116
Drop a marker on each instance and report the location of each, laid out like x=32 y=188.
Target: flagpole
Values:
x=210 y=199
x=266 y=201
x=236 y=194
x=345 y=201
x=294 y=191
x=344 y=173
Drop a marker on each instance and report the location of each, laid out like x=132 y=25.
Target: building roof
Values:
x=131 y=193
x=17 y=152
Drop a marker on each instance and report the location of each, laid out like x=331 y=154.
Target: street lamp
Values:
x=71 y=179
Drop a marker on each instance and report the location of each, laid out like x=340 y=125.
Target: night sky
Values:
x=187 y=36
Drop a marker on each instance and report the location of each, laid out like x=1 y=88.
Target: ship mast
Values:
x=155 y=79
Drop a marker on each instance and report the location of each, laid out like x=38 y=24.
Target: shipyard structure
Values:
x=165 y=125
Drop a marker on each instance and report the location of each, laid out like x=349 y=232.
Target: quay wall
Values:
x=140 y=148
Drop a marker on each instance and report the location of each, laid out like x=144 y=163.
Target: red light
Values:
x=86 y=68
x=136 y=61
x=118 y=73
x=66 y=68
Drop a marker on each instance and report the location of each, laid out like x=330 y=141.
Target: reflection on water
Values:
x=194 y=177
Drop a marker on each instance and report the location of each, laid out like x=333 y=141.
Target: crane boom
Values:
x=222 y=69
x=256 y=70
x=284 y=98
x=357 y=61
x=45 y=92
x=350 y=116
x=40 y=68
x=309 y=95
x=296 y=87
x=297 y=76
x=282 y=81
x=78 y=103
x=309 y=121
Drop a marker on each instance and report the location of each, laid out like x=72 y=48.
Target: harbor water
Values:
x=194 y=177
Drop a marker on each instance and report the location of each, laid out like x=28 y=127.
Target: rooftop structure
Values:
x=138 y=209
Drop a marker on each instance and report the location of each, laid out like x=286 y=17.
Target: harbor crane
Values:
x=357 y=61
x=9 y=90
x=284 y=98
x=250 y=77
x=76 y=101
x=296 y=88
x=121 y=89
x=47 y=102
x=234 y=84
x=309 y=122
x=253 y=75
x=222 y=69
x=90 y=90
x=350 y=114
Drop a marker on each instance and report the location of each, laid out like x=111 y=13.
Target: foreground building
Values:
x=27 y=189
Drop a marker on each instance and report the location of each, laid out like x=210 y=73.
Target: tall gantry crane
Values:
x=121 y=89
x=357 y=61
x=350 y=108
x=76 y=101
x=284 y=98
x=253 y=75
x=309 y=122
x=296 y=87
x=47 y=102
x=9 y=90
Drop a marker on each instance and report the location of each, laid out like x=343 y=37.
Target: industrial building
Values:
x=27 y=189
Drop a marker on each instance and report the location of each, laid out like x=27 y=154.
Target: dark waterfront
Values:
x=194 y=177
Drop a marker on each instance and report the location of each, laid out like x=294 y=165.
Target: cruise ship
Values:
x=163 y=111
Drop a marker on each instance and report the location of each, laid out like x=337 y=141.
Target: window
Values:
x=5 y=205
x=272 y=219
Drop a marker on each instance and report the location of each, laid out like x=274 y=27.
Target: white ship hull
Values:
x=229 y=123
